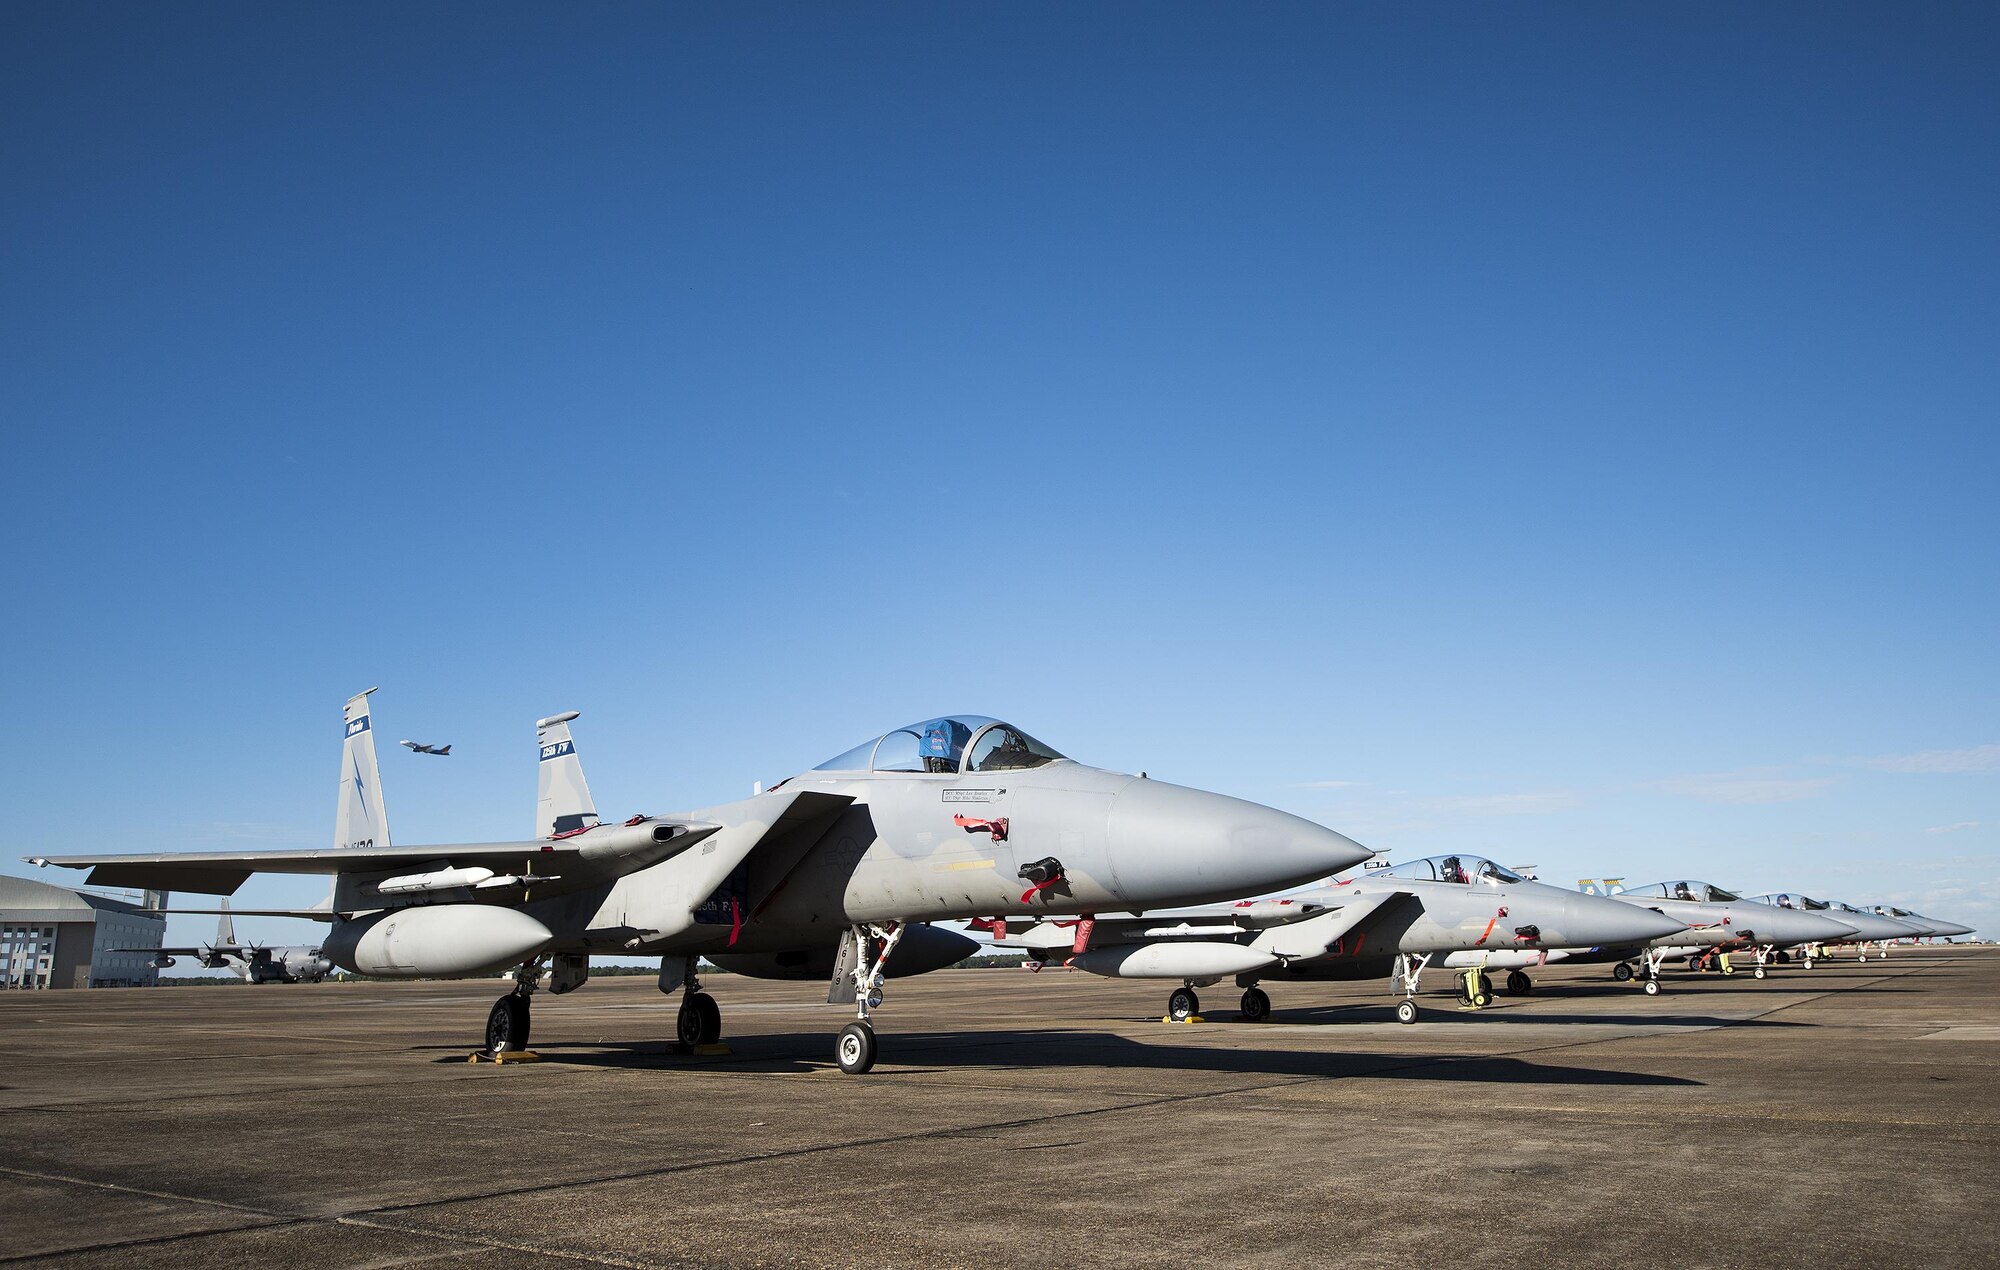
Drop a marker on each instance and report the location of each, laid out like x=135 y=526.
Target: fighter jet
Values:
x=1869 y=928
x=255 y=963
x=1391 y=922
x=861 y=852
x=1934 y=929
x=1715 y=923
x=439 y=750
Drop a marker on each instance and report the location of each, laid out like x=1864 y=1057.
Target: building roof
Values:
x=26 y=900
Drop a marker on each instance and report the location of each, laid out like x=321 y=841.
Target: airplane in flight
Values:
x=1390 y=922
x=861 y=852
x=440 y=750
x=256 y=963
x=1715 y=921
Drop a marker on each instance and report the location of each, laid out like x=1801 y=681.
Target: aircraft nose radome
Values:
x=1800 y=928
x=1653 y=925
x=1191 y=839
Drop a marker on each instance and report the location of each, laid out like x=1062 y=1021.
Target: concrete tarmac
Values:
x=1845 y=1115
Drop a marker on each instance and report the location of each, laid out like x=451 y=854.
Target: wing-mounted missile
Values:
x=508 y=872
x=1258 y=914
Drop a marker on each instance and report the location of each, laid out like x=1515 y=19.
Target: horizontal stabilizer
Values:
x=303 y=914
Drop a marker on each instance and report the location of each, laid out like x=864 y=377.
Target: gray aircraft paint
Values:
x=841 y=850
x=1495 y=919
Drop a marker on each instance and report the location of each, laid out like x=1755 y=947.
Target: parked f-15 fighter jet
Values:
x=1932 y=928
x=1715 y=921
x=1867 y=928
x=1391 y=922
x=861 y=852
x=439 y=750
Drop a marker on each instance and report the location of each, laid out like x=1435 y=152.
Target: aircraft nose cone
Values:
x=1870 y=926
x=1592 y=921
x=1186 y=846
x=1947 y=929
x=1645 y=924
x=1785 y=927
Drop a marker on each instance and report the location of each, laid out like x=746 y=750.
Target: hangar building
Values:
x=51 y=937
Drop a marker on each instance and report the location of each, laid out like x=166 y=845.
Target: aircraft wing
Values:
x=1312 y=933
x=604 y=852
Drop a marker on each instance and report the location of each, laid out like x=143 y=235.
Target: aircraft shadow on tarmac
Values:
x=1336 y=1016
x=917 y=1052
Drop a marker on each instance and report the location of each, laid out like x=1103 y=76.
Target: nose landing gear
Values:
x=1646 y=970
x=1404 y=974
x=855 y=1049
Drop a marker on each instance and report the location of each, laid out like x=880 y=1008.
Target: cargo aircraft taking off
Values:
x=439 y=750
x=256 y=963
x=955 y=817
x=1390 y=922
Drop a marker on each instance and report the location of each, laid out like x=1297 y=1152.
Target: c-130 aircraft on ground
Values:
x=957 y=817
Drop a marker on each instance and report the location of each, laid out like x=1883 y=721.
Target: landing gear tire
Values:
x=1758 y=973
x=700 y=1020
x=854 y=1049
x=1652 y=987
x=1256 y=1005
x=1621 y=972
x=1518 y=984
x=507 y=1024
x=1182 y=1004
x=1406 y=1012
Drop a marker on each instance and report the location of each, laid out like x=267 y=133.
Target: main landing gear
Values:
x=507 y=1022
x=699 y=1021
x=1518 y=984
x=1184 y=1004
x=1256 y=1005
x=855 y=1049
x=1404 y=974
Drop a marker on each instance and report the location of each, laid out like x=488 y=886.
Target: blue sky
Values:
x=1561 y=432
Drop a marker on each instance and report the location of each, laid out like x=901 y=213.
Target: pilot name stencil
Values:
x=971 y=795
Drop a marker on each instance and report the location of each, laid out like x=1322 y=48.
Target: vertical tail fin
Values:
x=225 y=928
x=562 y=799
x=359 y=819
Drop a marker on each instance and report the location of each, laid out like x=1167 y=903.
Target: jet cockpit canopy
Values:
x=1462 y=869
x=1782 y=899
x=950 y=744
x=1704 y=892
